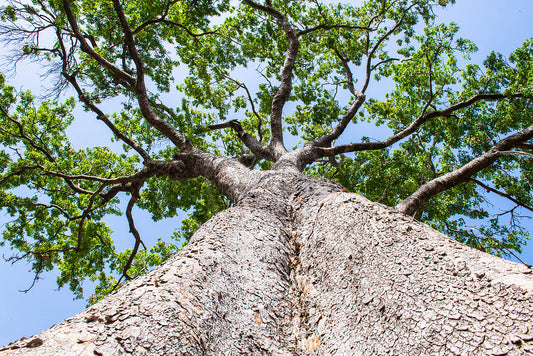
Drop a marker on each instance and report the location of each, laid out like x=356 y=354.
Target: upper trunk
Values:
x=299 y=267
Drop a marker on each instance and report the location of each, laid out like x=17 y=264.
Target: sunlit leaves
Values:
x=50 y=225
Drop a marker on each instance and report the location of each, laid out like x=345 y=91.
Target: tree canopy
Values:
x=196 y=84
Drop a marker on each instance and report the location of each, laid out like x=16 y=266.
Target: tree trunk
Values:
x=299 y=267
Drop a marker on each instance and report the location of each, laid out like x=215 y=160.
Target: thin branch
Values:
x=349 y=76
x=383 y=62
x=360 y=98
x=500 y=246
x=142 y=174
x=102 y=117
x=17 y=173
x=173 y=169
x=54 y=206
x=326 y=140
x=370 y=55
x=85 y=215
x=173 y=23
x=517 y=153
x=330 y=27
x=25 y=137
x=163 y=19
x=35 y=278
x=502 y=194
x=251 y=101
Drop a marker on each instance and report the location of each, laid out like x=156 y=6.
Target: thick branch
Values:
x=231 y=177
x=416 y=200
x=284 y=91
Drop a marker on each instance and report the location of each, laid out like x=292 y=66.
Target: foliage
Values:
x=209 y=62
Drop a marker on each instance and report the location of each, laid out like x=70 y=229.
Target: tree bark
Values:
x=299 y=267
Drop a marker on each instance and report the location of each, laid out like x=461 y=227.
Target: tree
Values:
x=292 y=262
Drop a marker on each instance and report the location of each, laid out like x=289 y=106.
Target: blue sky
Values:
x=491 y=24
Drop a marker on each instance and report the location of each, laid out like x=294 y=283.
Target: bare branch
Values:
x=530 y=155
x=463 y=174
x=525 y=146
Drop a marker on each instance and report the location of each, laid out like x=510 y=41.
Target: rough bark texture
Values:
x=299 y=267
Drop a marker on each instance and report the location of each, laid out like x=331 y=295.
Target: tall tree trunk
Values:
x=298 y=266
